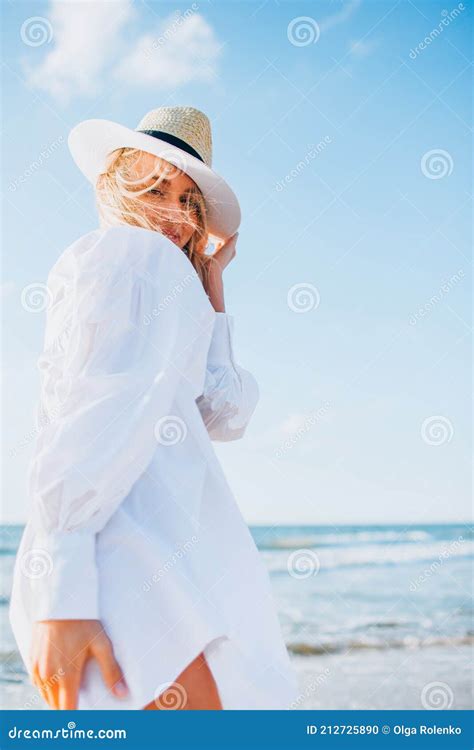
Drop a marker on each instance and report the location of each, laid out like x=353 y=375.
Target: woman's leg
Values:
x=195 y=689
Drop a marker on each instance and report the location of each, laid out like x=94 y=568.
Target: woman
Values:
x=137 y=583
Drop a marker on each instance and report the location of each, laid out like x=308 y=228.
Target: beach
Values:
x=423 y=678
x=354 y=681
x=373 y=617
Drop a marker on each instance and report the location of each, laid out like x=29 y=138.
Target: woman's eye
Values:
x=193 y=205
x=155 y=191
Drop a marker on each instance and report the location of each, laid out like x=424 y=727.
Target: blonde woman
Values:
x=137 y=584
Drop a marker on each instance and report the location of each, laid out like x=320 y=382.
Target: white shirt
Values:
x=132 y=521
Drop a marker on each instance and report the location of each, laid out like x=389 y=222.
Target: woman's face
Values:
x=163 y=205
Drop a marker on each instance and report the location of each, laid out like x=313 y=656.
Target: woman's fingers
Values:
x=68 y=691
x=226 y=250
x=112 y=674
x=60 y=649
x=39 y=684
x=51 y=690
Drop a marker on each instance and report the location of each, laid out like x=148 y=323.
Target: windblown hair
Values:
x=119 y=201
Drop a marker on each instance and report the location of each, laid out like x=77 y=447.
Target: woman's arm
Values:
x=230 y=392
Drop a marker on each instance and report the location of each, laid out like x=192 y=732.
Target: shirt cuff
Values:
x=220 y=349
x=64 y=579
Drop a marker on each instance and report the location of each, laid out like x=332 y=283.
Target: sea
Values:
x=373 y=617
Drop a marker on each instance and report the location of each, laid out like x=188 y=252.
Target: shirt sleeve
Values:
x=121 y=368
x=230 y=393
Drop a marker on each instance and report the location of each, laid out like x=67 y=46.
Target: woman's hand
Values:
x=59 y=651
x=226 y=251
x=215 y=287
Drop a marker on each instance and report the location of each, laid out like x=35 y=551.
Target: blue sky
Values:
x=344 y=129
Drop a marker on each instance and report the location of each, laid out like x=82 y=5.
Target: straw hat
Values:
x=181 y=136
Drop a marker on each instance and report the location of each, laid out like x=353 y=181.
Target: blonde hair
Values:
x=118 y=201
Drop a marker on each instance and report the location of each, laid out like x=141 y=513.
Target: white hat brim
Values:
x=91 y=141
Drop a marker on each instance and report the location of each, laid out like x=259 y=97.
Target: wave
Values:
x=357 y=537
x=9 y=549
x=8 y=655
x=12 y=668
x=302 y=648
x=436 y=553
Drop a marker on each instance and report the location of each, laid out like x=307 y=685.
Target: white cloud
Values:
x=86 y=36
x=360 y=48
x=295 y=434
x=340 y=16
x=292 y=424
x=181 y=50
x=88 y=45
